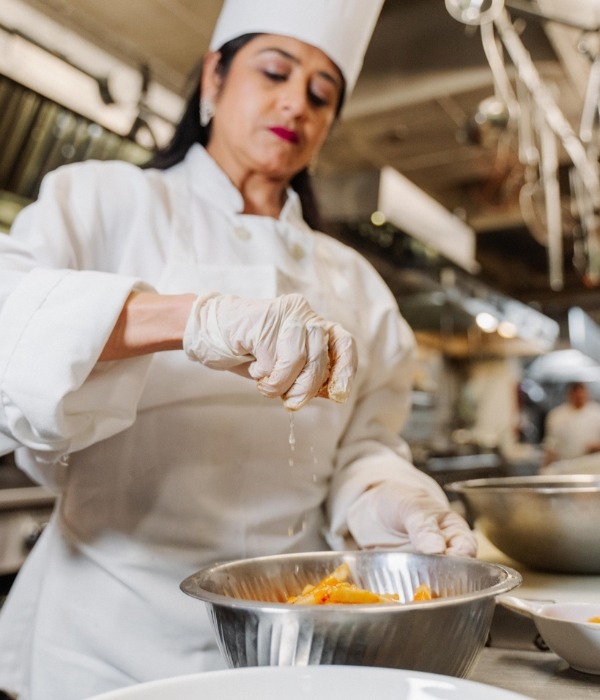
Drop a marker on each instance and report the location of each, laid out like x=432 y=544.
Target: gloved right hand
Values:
x=287 y=347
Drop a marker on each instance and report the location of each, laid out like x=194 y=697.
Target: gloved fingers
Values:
x=243 y=370
x=391 y=513
x=263 y=363
x=278 y=368
x=462 y=546
x=343 y=361
x=423 y=529
x=442 y=532
x=290 y=365
x=315 y=371
x=461 y=540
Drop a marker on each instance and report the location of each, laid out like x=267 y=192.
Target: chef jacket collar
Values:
x=210 y=182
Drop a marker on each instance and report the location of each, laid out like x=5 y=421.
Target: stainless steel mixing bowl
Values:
x=551 y=523
x=256 y=627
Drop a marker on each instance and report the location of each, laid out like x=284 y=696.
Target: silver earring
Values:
x=207 y=111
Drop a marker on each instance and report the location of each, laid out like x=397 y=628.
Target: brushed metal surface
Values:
x=549 y=523
x=256 y=627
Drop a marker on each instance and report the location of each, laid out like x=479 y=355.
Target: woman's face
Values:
x=274 y=109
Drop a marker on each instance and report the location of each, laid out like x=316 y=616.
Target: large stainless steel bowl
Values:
x=551 y=523
x=256 y=627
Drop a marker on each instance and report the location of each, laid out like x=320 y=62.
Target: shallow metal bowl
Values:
x=256 y=627
x=550 y=523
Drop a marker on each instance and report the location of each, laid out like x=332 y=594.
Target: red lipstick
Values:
x=285 y=134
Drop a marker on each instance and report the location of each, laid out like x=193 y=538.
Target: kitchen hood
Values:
x=426 y=255
x=465 y=317
x=397 y=200
x=412 y=210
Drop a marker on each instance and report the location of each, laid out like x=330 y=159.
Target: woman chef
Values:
x=161 y=463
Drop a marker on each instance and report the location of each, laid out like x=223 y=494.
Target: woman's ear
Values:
x=211 y=80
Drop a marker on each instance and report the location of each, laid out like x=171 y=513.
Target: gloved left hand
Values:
x=408 y=517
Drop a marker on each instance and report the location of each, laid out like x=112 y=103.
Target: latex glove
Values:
x=392 y=514
x=282 y=343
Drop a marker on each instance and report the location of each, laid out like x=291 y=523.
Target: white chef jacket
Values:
x=570 y=431
x=161 y=465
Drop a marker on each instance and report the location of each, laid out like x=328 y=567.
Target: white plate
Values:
x=312 y=683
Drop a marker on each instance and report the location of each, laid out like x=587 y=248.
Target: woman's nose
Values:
x=294 y=97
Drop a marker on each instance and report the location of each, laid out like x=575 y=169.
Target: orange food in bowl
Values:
x=336 y=589
x=423 y=592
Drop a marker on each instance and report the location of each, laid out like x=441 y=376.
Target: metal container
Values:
x=256 y=627
x=550 y=523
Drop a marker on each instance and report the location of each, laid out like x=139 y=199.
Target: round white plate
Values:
x=312 y=683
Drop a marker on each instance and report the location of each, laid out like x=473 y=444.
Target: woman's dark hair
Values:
x=189 y=131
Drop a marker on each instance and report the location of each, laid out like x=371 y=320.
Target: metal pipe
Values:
x=549 y=162
x=545 y=102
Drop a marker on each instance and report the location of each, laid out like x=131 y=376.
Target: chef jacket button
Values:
x=297 y=252
x=242 y=233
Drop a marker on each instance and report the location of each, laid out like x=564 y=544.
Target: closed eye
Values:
x=275 y=77
x=317 y=100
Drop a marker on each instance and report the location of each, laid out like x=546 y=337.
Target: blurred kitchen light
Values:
x=413 y=211
x=506 y=329
x=486 y=322
x=378 y=218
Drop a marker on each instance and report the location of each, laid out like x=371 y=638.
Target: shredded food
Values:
x=336 y=589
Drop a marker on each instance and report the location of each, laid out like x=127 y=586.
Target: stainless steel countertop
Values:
x=512 y=660
x=535 y=674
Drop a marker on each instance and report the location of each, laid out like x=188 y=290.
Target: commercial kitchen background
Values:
x=464 y=168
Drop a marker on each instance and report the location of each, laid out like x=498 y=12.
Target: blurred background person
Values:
x=572 y=429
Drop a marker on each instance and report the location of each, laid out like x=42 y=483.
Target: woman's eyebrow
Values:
x=285 y=54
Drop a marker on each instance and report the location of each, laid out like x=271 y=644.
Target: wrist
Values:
x=149 y=323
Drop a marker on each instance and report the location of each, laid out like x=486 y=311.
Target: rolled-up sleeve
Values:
x=62 y=290
x=54 y=396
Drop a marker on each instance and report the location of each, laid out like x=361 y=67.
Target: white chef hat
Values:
x=340 y=28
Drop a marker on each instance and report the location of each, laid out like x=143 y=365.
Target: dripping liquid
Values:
x=302 y=524
x=292 y=440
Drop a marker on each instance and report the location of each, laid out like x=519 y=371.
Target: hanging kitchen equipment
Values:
x=531 y=193
x=549 y=162
x=553 y=130
x=544 y=101
x=587 y=246
x=495 y=58
x=474 y=12
x=586 y=256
